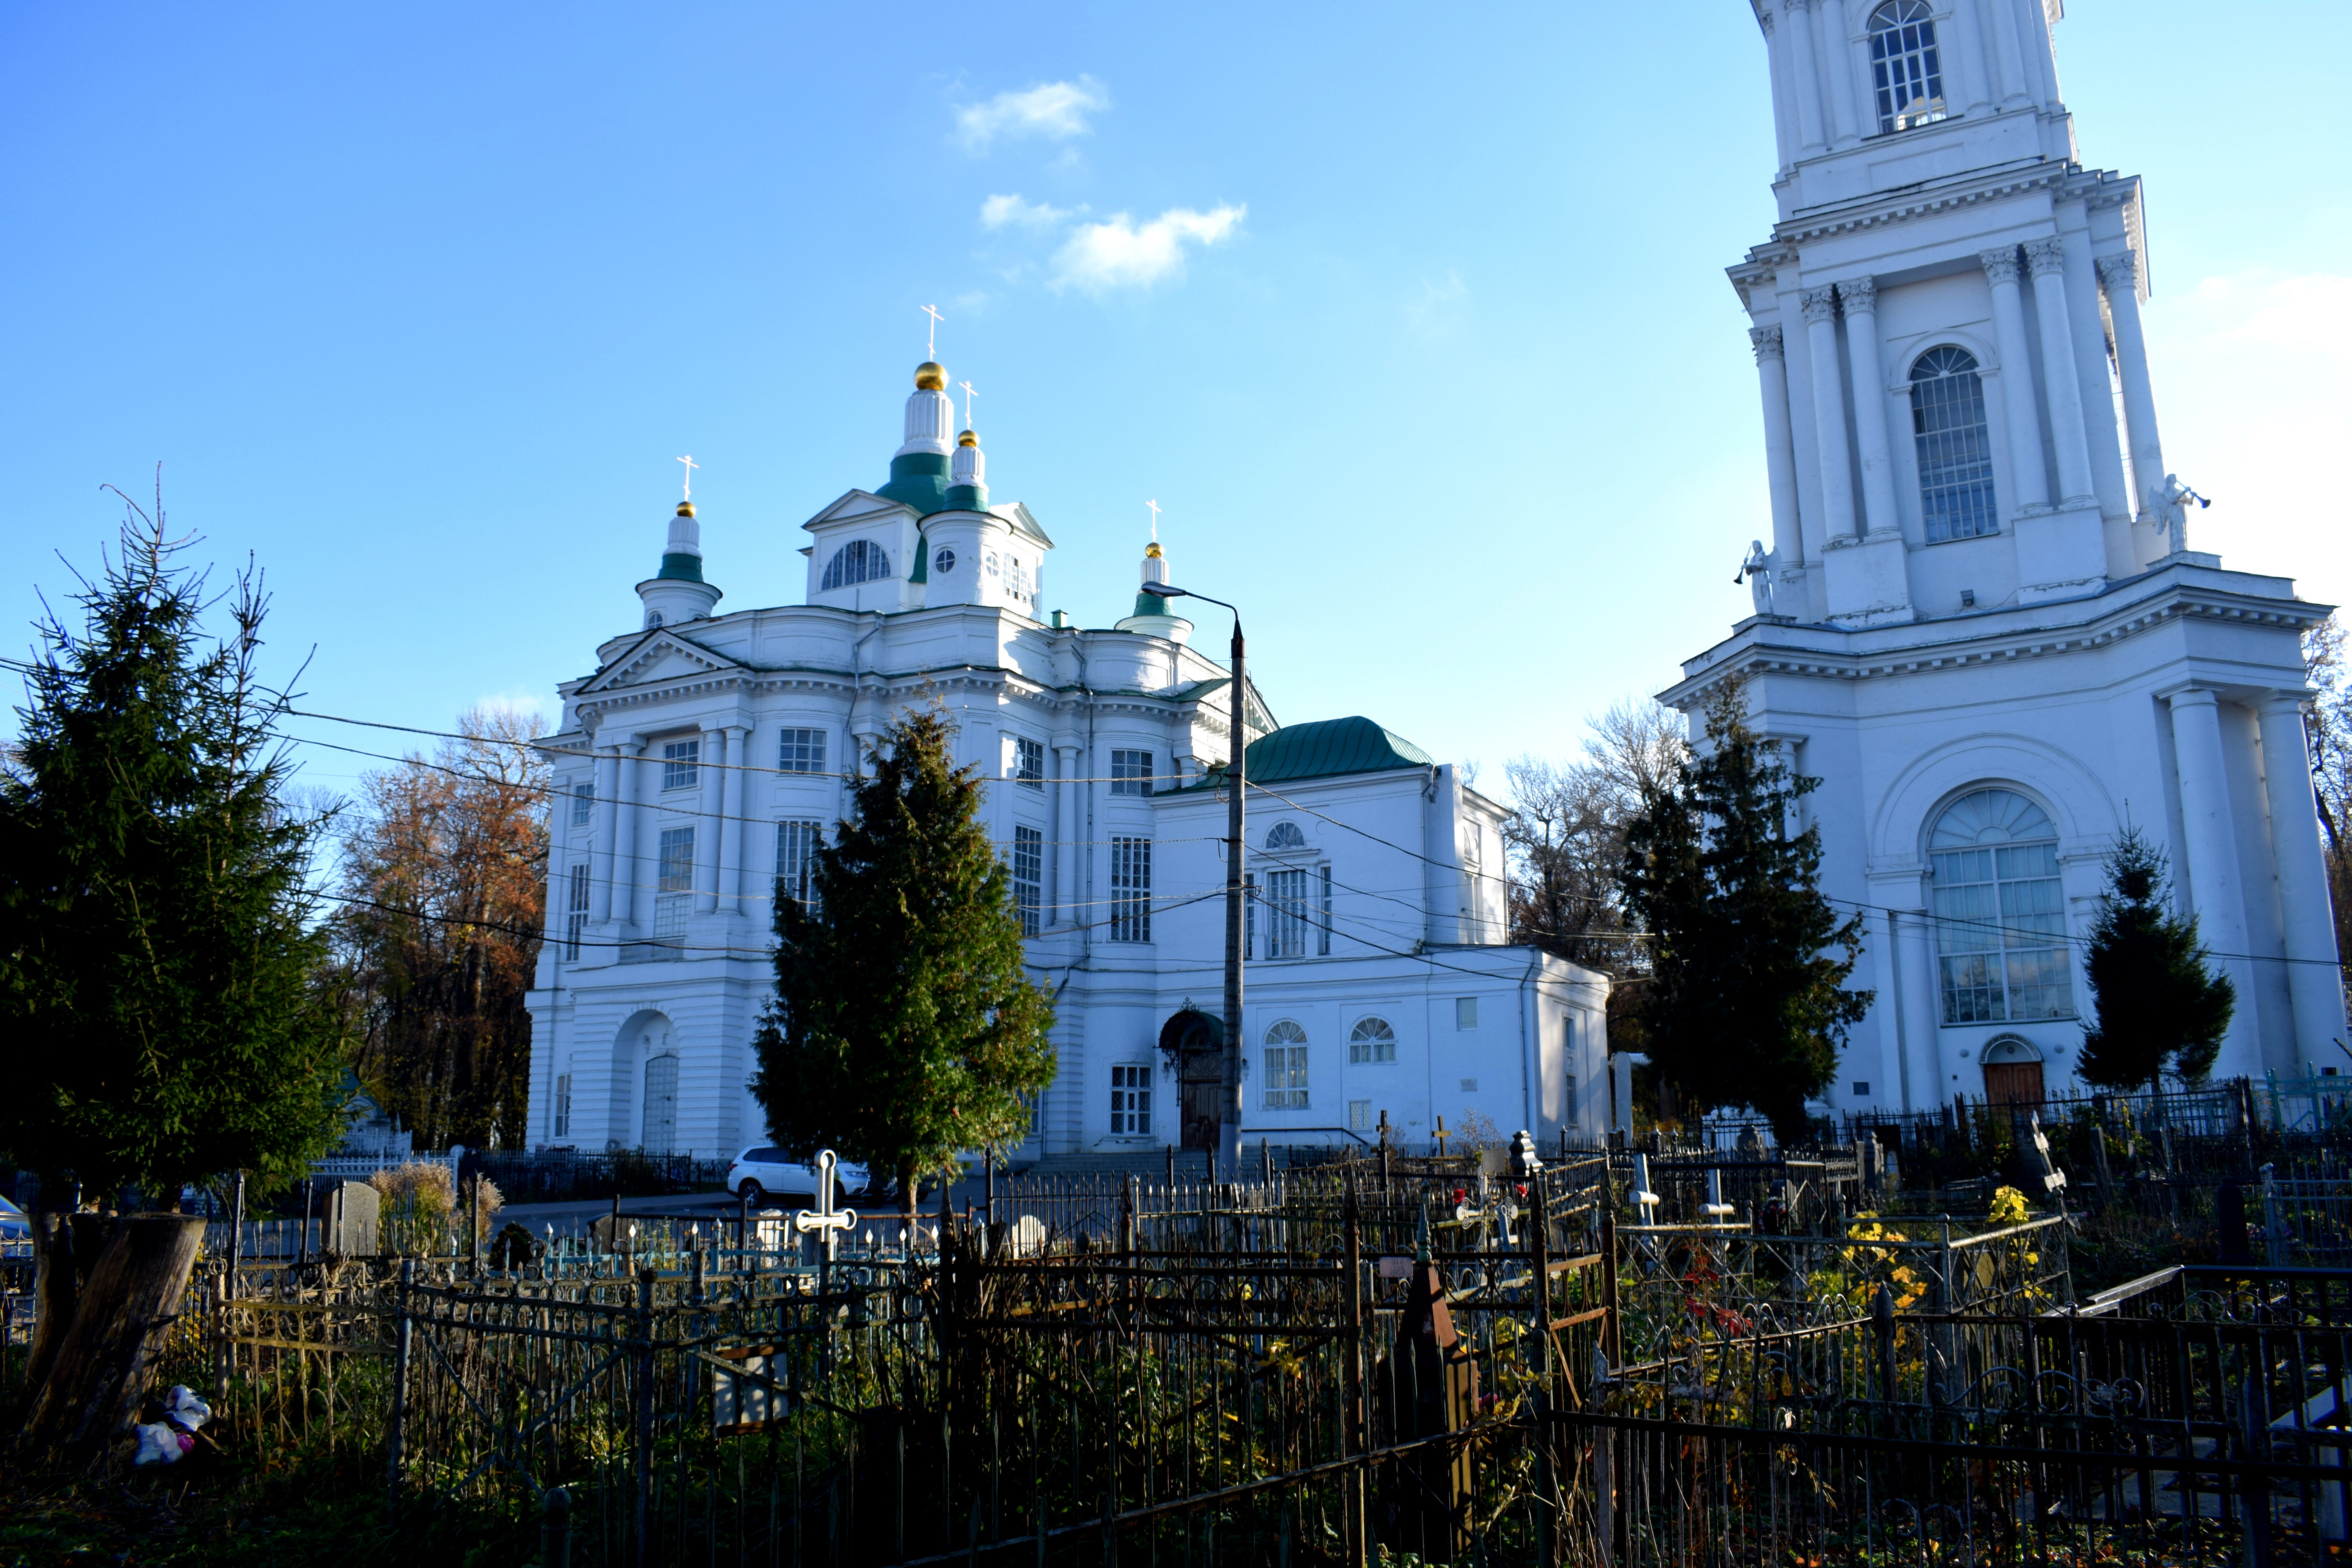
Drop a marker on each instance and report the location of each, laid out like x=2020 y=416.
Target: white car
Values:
x=762 y=1172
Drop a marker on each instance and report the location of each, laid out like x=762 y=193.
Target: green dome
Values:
x=1329 y=748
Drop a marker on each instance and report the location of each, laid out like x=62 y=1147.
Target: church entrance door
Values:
x=2014 y=1084
x=1195 y=1043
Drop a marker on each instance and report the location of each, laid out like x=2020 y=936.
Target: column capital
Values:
x=2287 y=699
x=1860 y=296
x=2120 y=271
x=1819 y=305
x=2194 y=697
x=2001 y=266
x=1766 y=342
x=2046 y=257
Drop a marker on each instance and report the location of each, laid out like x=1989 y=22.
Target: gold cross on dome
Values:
x=932 y=337
x=690 y=466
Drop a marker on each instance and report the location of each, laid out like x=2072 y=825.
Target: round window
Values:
x=943 y=563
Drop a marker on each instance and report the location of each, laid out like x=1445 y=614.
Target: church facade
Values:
x=706 y=756
x=1980 y=622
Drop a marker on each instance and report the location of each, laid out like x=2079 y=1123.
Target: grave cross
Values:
x=824 y=1217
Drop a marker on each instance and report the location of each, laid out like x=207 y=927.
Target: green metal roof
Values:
x=1330 y=747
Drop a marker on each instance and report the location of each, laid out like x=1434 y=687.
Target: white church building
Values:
x=705 y=756
x=1980 y=622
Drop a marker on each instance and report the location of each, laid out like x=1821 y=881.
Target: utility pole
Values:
x=1237 y=781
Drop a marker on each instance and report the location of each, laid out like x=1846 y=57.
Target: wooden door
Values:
x=2013 y=1083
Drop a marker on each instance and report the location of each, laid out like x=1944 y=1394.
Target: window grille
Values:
x=796 y=847
x=559 y=1110
x=1028 y=876
x=1287 y=922
x=1285 y=836
x=575 y=912
x=1905 y=66
x=1955 y=447
x=674 y=891
x=1323 y=927
x=681 y=764
x=1130 y=1100
x=584 y=802
x=1131 y=773
x=1372 y=1040
x=1360 y=1116
x=1029 y=761
x=661 y=1104
x=1286 y=1066
x=2001 y=911
x=1131 y=890
x=859 y=561
x=801 y=752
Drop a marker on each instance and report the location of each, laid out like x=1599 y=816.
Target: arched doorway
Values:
x=661 y=1103
x=2012 y=1073
x=1195 y=1044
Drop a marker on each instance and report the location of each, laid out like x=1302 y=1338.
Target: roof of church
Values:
x=1329 y=748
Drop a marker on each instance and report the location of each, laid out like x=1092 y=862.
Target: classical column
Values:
x=712 y=771
x=1931 y=1086
x=2029 y=486
x=1977 y=96
x=1805 y=77
x=2048 y=260
x=1836 y=48
x=1779 y=446
x=1069 y=829
x=2120 y=274
x=628 y=860
x=1776 y=55
x=730 y=826
x=1860 y=297
x=608 y=812
x=2009 y=52
x=1820 y=309
x=2214 y=884
x=2314 y=981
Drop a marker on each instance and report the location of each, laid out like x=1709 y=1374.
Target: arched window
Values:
x=859 y=561
x=1286 y=1066
x=1947 y=428
x=1372 y=1040
x=1905 y=65
x=1285 y=836
x=660 y=1130
x=2001 y=914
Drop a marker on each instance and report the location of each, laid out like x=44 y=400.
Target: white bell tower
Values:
x=1945 y=318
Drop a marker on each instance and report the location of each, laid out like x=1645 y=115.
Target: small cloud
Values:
x=1118 y=252
x=1434 y=312
x=1058 y=110
x=523 y=702
x=997 y=212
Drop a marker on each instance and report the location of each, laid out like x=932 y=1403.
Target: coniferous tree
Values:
x=2156 y=1007
x=160 y=967
x=904 y=1028
x=1746 y=1004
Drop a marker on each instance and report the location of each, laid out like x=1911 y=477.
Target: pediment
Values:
x=661 y=654
x=857 y=506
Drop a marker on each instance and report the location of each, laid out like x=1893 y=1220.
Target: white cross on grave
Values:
x=824 y=1217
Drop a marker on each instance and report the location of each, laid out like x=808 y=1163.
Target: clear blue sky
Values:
x=1412 y=318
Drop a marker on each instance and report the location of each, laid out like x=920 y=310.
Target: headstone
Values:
x=1525 y=1161
x=353 y=1215
x=1028 y=1236
x=1751 y=1143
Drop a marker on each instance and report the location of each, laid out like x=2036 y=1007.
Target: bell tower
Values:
x=1945 y=318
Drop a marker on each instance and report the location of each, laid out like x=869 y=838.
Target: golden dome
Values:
x=930 y=376
x=1151 y=551
x=969 y=439
x=686 y=508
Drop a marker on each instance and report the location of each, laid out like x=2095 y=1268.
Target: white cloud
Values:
x=524 y=702
x=1437 y=312
x=996 y=211
x=1118 y=252
x=1058 y=110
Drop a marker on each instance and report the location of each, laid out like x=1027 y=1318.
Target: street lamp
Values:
x=1229 y=1135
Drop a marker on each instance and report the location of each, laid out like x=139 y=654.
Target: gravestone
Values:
x=353 y=1225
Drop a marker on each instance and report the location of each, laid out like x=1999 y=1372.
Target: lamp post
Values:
x=1229 y=1133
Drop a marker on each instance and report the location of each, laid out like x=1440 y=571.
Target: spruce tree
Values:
x=160 y=963
x=2156 y=1007
x=904 y=1028
x=1745 y=1001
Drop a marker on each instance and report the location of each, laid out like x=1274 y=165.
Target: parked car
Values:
x=761 y=1173
x=15 y=1231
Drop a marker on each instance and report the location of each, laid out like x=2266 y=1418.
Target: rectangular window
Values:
x=559 y=1110
x=1131 y=890
x=1568 y=1099
x=1286 y=1078
x=1028 y=876
x=1466 y=1012
x=1469 y=1086
x=1028 y=761
x=1323 y=927
x=575 y=912
x=1249 y=918
x=2000 y=927
x=1285 y=925
x=674 y=889
x=1131 y=773
x=584 y=802
x=1130 y=1100
x=1360 y=1116
x=681 y=764
x=801 y=752
x=796 y=847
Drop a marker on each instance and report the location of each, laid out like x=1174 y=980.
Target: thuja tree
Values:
x=904 y=1028
x=160 y=960
x=1747 y=1002
x=2156 y=1005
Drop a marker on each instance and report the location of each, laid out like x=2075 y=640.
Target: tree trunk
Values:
x=57 y=1286
x=98 y=1373
x=907 y=1184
